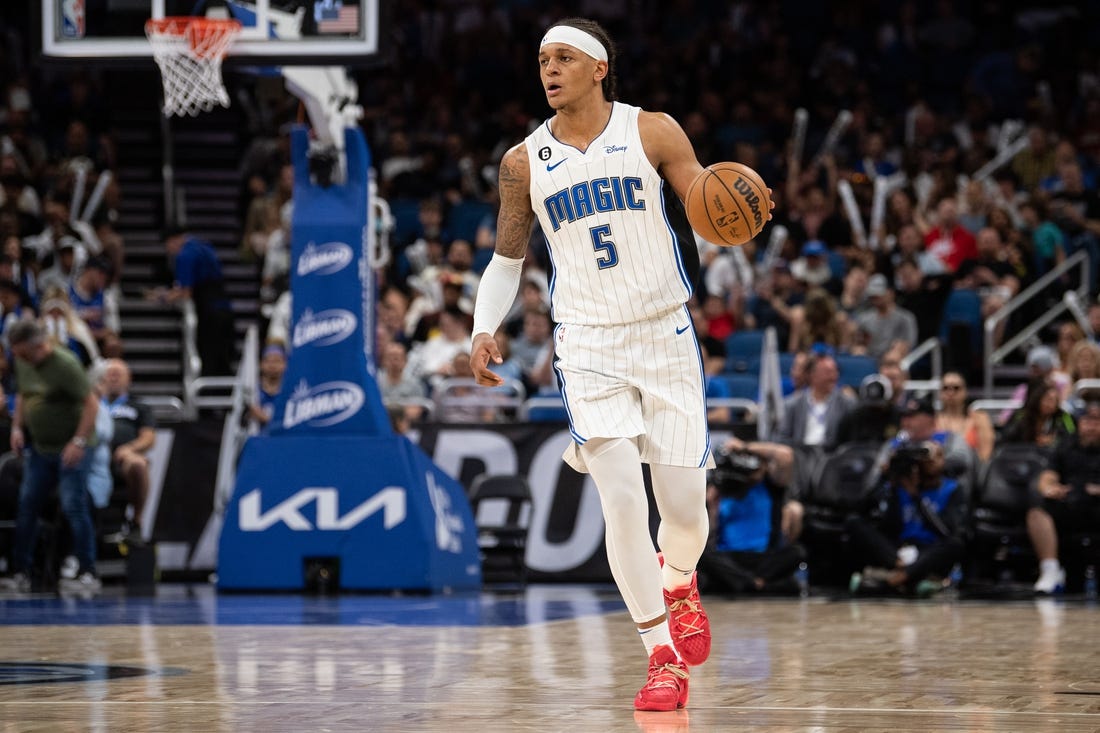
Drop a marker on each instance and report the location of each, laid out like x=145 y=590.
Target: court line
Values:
x=746 y=708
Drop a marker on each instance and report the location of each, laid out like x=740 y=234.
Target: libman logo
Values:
x=323 y=328
x=323 y=405
x=324 y=259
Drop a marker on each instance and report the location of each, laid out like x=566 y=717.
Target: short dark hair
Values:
x=26 y=332
x=596 y=30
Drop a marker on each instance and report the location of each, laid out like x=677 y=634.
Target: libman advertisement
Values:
x=329 y=385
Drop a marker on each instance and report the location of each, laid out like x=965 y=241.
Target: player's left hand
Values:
x=771 y=204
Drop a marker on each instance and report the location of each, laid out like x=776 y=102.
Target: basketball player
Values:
x=627 y=358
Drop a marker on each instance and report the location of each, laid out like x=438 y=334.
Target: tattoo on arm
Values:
x=516 y=216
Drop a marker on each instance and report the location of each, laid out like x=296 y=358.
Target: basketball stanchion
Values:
x=189 y=51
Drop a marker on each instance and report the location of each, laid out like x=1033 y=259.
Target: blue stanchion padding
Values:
x=377 y=504
x=329 y=384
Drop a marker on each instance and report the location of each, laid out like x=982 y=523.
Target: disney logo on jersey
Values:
x=591 y=197
x=323 y=405
x=323 y=328
x=609 y=149
x=324 y=259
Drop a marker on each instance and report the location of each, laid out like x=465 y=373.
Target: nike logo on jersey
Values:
x=681 y=330
x=552 y=167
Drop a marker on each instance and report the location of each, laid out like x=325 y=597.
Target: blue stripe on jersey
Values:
x=676 y=247
x=565 y=400
x=553 y=275
x=703 y=377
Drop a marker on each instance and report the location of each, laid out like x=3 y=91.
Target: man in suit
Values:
x=812 y=415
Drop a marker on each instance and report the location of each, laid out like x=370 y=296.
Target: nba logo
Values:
x=72 y=19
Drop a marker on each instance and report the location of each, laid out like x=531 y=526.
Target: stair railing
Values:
x=994 y=356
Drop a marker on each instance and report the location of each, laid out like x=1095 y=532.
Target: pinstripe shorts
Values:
x=639 y=380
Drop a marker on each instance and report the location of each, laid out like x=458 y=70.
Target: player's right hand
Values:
x=17 y=440
x=484 y=349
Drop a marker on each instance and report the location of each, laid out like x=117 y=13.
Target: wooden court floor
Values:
x=552 y=659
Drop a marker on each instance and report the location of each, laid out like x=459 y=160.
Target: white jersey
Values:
x=615 y=254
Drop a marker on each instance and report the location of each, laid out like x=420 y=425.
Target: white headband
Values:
x=576 y=38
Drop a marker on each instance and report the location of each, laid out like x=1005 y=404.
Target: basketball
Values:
x=727 y=204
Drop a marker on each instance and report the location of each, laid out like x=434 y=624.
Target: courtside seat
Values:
x=501 y=506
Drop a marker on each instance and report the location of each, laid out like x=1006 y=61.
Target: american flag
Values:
x=333 y=16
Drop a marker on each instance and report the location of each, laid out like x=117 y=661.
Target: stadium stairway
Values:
x=207 y=151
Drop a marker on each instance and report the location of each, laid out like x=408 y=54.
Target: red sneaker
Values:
x=667 y=685
x=688 y=622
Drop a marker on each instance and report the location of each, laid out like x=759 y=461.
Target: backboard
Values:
x=290 y=31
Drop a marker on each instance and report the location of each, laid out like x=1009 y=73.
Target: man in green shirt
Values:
x=54 y=419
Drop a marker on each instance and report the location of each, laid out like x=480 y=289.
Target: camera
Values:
x=906 y=457
x=735 y=472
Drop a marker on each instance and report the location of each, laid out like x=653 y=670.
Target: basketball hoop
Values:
x=189 y=52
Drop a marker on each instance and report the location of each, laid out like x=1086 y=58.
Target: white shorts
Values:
x=642 y=380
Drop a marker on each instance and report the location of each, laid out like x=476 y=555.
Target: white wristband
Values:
x=496 y=293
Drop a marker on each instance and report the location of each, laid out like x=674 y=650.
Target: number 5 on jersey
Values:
x=607 y=256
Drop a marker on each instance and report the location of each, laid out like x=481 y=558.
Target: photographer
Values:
x=917 y=525
x=875 y=417
x=753 y=519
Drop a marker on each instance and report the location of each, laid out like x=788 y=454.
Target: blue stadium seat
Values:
x=464 y=218
x=741 y=386
x=785 y=361
x=854 y=368
x=963 y=308
x=406 y=216
x=837 y=264
x=741 y=347
x=547 y=407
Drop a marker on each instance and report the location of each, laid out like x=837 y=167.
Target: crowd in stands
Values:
x=979 y=127
x=967 y=170
x=67 y=420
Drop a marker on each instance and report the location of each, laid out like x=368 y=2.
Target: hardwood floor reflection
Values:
x=776 y=665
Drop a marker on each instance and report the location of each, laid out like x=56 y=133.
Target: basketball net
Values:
x=189 y=52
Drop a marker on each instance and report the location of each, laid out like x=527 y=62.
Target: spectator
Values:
x=973 y=426
x=533 y=339
x=61 y=274
x=772 y=304
x=754 y=521
x=66 y=329
x=812 y=267
x=948 y=241
x=916 y=532
x=1076 y=211
x=1069 y=335
x=1083 y=362
x=853 y=297
x=198 y=278
x=396 y=384
x=812 y=416
x=1041 y=421
x=433 y=359
x=885 y=324
x=1046 y=239
x=531 y=297
x=92 y=302
x=1042 y=364
x=272 y=369
x=817 y=322
x=134 y=436
x=56 y=406
x=1066 y=498
x=922 y=295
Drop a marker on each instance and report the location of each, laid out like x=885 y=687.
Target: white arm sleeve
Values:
x=496 y=292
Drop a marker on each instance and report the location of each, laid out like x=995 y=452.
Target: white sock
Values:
x=674 y=577
x=655 y=636
x=1048 y=566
